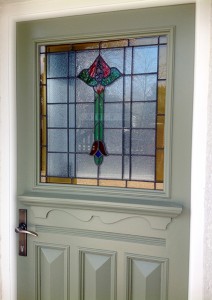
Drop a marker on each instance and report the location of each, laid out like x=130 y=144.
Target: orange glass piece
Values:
x=140 y=185
x=161 y=97
x=159 y=165
x=160 y=131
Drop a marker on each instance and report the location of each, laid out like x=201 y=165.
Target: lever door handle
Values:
x=21 y=229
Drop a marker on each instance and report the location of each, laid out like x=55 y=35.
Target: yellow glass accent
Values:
x=43 y=131
x=58 y=48
x=43 y=69
x=58 y=180
x=140 y=185
x=114 y=44
x=160 y=131
x=43 y=99
x=84 y=46
x=159 y=186
x=159 y=165
x=85 y=181
x=43 y=161
x=161 y=97
x=112 y=183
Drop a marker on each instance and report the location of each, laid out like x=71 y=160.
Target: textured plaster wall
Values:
x=208 y=192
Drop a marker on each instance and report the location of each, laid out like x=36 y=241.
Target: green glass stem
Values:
x=98 y=121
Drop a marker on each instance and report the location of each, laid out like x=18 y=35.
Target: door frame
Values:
x=24 y=11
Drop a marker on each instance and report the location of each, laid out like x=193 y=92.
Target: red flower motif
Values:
x=99 y=69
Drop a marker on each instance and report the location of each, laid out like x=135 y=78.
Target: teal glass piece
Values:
x=98 y=76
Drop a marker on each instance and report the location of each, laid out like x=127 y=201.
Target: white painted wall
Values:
x=36 y=9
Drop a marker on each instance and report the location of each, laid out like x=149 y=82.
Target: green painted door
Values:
x=97 y=242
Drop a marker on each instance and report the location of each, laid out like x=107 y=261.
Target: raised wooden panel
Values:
x=97 y=276
x=52 y=266
x=146 y=278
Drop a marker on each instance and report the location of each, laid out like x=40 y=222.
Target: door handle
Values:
x=23 y=232
x=22 y=229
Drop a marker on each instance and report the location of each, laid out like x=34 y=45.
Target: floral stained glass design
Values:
x=102 y=113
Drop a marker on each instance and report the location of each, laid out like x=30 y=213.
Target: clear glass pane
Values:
x=113 y=115
x=143 y=115
x=113 y=141
x=71 y=166
x=72 y=90
x=143 y=168
x=126 y=141
x=84 y=59
x=85 y=115
x=84 y=140
x=162 y=62
x=114 y=58
x=57 y=140
x=57 y=90
x=145 y=59
x=114 y=92
x=144 y=41
x=57 y=65
x=143 y=142
x=128 y=60
x=127 y=115
x=85 y=166
x=84 y=93
x=72 y=63
x=126 y=171
x=72 y=116
x=144 y=87
x=57 y=164
x=127 y=88
x=71 y=140
x=163 y=39
x=57 y=115
x=111 y=167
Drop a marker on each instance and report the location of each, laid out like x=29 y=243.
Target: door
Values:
x=103 y=242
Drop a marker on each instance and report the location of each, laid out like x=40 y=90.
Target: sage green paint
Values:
x=179 y=21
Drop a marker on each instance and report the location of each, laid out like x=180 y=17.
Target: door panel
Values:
x=96 y=244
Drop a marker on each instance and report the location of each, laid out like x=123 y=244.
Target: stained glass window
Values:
x=102 y=112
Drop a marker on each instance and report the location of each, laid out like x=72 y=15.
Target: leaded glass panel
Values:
x=102 y=110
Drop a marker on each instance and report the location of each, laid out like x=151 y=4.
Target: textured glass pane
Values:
x=126 y=171
x=143 y=142
x=71 y=140
x=84 y=59
x=85 y=167
x=144 y=87
x=85 y=115
x=112 y=168
x=163 y=39
x=127 y=115
x=113 y=141
x=113 y=115
x=84 y=93
x=162 y=62
x=127 y=88
x=143 y=168
x=144 y=41
x=72 y=90
x=57 y=140
x=72 y=65
x=114 y=92
x=72 y=116
x=71 y=166
x=57 y=115
x=114 y=58
x=57 y=90
x=161 y=97
x=143 y=115
x=128 y=60
x=126 y=141
x=145 y=59
x=57 y=65
x=57 y=164
x=84 y=140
